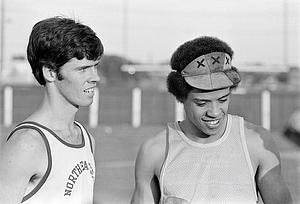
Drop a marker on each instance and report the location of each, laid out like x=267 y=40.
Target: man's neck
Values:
x=196 y=135
x=55 y=114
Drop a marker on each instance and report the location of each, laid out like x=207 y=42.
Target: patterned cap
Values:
x=211 y=71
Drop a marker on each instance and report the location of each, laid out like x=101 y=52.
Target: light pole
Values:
x=2 y=35
x=285 y=34
x=125 y=28
x=1 y=55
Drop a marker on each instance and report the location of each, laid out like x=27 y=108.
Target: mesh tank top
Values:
x=70 y=174
x=214 y=173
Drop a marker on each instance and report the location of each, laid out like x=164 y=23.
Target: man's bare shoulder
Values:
x=24 y=144
x=260 y=137
x=262 y=148
x=155 y=144
x=22 y=156
x=151 y=153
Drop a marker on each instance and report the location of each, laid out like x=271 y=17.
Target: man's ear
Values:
x=49 y=74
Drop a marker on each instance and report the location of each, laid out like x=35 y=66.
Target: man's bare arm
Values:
x=21 y=158
x=148 y=163
x=273 y=188
x=270 y=182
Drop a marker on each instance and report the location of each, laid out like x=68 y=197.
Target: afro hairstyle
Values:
x=185 y=54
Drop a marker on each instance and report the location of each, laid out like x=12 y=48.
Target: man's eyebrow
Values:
x=97 y=64
x=207 y=100
x=201 y=100
x=224 y=96
x=94 y=65
x=87 y=66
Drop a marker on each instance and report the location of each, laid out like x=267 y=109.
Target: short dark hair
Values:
x=185 y=54
x=54 y=41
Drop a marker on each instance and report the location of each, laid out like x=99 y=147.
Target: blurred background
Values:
x=132 y=103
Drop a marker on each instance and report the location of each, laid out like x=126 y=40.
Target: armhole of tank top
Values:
x=162 y=169
x=88 y=135
x=18 y=127
x=45 y=176
x=247 y=156
x=36 y=124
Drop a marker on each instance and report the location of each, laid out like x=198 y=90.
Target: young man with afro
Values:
x=211 y=156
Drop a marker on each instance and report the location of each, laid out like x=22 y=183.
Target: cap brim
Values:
x=211 y=81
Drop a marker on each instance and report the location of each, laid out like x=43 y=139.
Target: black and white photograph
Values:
x=149 y=102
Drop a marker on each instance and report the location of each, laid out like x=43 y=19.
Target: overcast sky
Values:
x=151 y=30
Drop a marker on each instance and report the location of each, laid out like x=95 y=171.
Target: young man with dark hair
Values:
x=48 y=158
x=211 y=156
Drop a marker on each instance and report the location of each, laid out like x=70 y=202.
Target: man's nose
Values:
x=214 y=110
x=94 y=75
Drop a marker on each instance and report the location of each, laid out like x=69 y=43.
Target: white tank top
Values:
x=70 y=175
x=214 y=173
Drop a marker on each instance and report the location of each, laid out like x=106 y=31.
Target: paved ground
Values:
x=117 y=148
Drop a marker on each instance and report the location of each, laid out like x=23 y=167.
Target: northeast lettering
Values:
x=78 y=169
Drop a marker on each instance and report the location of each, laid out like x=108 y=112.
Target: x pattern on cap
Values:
x=206 y=64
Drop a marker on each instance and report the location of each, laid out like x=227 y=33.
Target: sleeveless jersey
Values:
x=70 y=174
x=213 y=173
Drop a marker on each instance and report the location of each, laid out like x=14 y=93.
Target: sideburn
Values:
x=59 y=76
